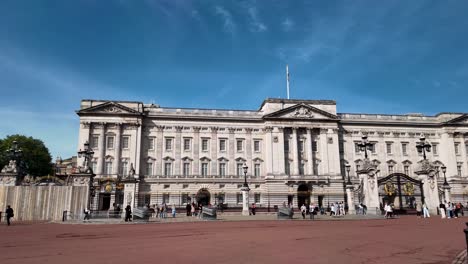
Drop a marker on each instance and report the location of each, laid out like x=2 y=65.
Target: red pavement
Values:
x=405 y=240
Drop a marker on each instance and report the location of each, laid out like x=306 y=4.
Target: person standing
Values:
x=173 y=211
x=254 y=208
x=188 y=208
x=442 y=210
x=448 y=208
x=303 y=211
x=311 y=211
x=86 y=214
x=418 y=209
x=192 y=209
x=9 y=214
x=426 y=211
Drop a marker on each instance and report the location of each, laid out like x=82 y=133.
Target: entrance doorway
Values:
x=105 y=201
x=303 y=195
x=320 y=201
x=203 y=197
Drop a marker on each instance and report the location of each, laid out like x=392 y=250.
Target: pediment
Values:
x=109 y=108
x=461 y=120
x=301 y=111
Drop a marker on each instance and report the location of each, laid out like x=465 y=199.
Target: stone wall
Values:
x=44 y=202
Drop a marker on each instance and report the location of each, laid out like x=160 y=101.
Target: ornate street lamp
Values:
x=365 y=145
x=245 y=168
x=444 y=170
x=87 y=154
x=423 y=146
x=16 y=154
x=348 y=169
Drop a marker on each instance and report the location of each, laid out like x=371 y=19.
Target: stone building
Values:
x=296 y=151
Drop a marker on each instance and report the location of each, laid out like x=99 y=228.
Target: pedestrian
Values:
x=303 y=211
x=200 y=210
x=311 y=211
x=254 y=208
x=192 y=209
x=342 y=209
x=442 y=210
x=448 y=208
x=173 y=211
x=86 y=214
x=188 y=208
x=426 y=211
x=128 y=213
x=418 y=209
x=9 y=214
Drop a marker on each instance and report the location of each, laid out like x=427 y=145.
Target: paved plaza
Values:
x=404 y=240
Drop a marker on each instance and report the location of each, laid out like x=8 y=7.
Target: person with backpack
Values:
x=9 y=214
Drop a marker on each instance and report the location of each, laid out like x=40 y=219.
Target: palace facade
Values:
x=296 y=152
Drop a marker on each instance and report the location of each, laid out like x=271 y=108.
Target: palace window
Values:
x=390 y=169
x=186 y=169
x=185 y=198
x=257 y=198
x=286 y=145
x=435 y=150
x=240 y=145
x=257 y=170
x=165 y=198
x=168 y=144
x=287 y=167
x=406 y=169
x=222 y=169
x=301 y=168
x=94 y=166
x=357 y=149
x=204 y=144
x=316 y=171
x=204 y=169
x=125 y=142
x=240 y=170
x=187 y=144
x=459 y=169
x=110 y=142
x=389 y=148
x=94 y=142
x=221 y=197
x=149 y=168
x=124 y=168
x=314 y=146
x=221 y=186
x=373 y=147
x=256 y=145
x=167 y=169
x=150 y=143
x=239 y=198
x=184 y=186
x=222 y=145
x=108 y=169
x=404 y=149
x=457 y=148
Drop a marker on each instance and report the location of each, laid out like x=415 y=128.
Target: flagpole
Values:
x=287 y=80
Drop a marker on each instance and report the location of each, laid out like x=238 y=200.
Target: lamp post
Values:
x=348 y=169
x=245 y=192
x=446 y=186
x=423 y=146
x=364 y=145
x=87 y=153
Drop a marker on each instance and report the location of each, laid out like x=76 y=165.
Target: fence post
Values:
x=64 y=216
x=466 y=235
x=1 y=216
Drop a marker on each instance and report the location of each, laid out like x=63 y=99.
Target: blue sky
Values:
x=369 y=56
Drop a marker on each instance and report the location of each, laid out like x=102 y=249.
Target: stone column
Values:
x=178 y=150
x=447 y=196
x=245 y=200
x=137 y=145
x=248 y=148
x=324 y=166
x=116 y=165
x=159 y=149
x=129 y=195
x=295 y=163
x=308 y=146
x=196 y=150
x=102 y=149
x=279 y=151
x=268 y=150
x=232 y=149
x=350 y=198
x=371 y=192
x=214 y=150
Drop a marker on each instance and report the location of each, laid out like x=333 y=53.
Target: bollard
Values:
x=64 y=216
x=1 y=216
x=466 y=235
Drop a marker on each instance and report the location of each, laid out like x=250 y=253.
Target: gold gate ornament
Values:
x=408 y=188
x=389 y=189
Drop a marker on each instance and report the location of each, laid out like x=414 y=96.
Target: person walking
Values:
x=303 y=211
x=418 y=209
x=9 y=214
x=311 y=211
x=128 y=213
x=173 y=211
x=426 y=211
x=86 y=214
x=188 y=208
x=192 y=210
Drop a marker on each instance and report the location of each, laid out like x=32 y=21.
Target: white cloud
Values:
x=229 y=25
x=256 y=25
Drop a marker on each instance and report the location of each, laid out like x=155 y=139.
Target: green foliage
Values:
x=36 y=157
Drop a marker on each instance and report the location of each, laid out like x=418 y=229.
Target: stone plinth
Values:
x=370 y=187
x=350 y=198
x=447 y=194
x=8 y=179
x=427 y=172
x=245 y=200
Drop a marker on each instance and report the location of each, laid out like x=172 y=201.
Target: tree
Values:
x=36 y=157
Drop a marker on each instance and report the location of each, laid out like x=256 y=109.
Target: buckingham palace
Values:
x=297 y=152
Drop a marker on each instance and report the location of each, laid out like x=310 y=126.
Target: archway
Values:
x=303 y=195
x=203 y=197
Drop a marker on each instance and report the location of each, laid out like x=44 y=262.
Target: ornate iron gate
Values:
x=401 y=190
